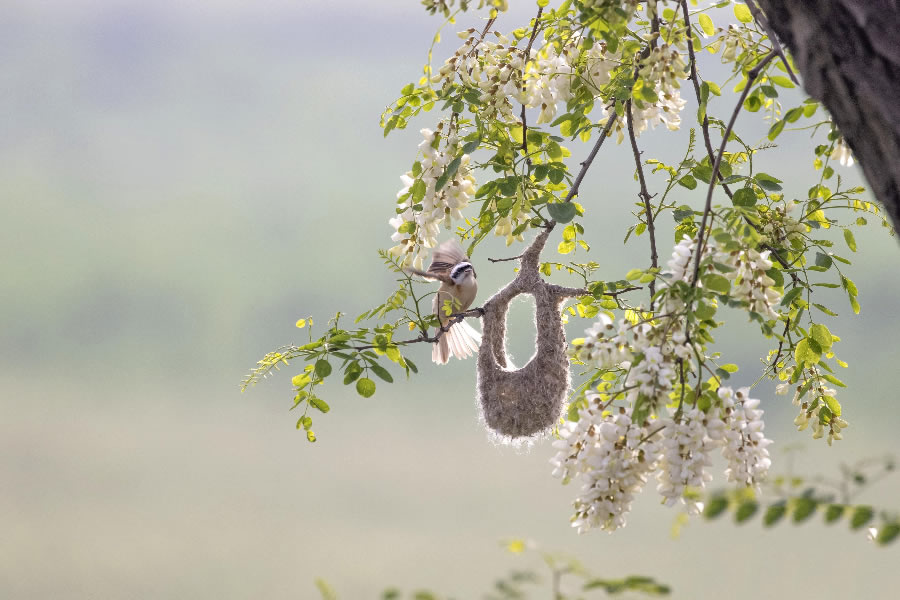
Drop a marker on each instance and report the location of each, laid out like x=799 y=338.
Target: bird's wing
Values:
x=446 y=256
x=442 y=276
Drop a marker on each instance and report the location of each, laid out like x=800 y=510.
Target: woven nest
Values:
x=525 y=402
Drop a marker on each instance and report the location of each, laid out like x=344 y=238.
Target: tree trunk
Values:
x=848 y=52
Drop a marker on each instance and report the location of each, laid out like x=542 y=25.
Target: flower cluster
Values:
x=418 y=219
x=599 y=63
x=647 y=352
x=502 y=72
x=687 y=444
x=842 y=153
x=746 y=268
x=548 y=80
x=751 y=284
x=779 y=228
x=733 y=42
x=812 y=413
x=744 y=441
x=613 y=458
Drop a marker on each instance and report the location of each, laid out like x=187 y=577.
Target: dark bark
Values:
x=848 y=53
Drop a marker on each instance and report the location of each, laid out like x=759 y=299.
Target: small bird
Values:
x=451 y=266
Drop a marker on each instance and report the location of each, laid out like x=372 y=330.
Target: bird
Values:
x=451 y=266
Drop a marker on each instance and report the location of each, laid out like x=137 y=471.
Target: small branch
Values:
x=787 y=326
x=454 y=319
x=496 y=260
x=751 y=77
x=645 y=196
x=764 y=23
x=695 y=79
x=534 y=32
x=604 y=133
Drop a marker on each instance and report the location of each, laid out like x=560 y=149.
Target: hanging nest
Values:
x=525 y=402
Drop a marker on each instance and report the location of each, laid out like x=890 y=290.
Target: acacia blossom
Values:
x=417 y=223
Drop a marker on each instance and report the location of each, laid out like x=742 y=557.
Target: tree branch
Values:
x=534 y=32
x=752 y=74
x=645 y=196
x=760 y=18
x=604 y=133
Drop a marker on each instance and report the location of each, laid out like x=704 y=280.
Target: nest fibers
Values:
x=525 y=402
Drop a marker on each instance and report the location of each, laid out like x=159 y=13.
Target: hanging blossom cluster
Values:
x=662 y=71
x=779 y=227
x=613 y=457
x=503 y=73
x=746 y=268
x=417 y=223
x=811 y=412
x=842 y=153
x=643 y=350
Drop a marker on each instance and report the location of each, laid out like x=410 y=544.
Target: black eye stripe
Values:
x=460 y=269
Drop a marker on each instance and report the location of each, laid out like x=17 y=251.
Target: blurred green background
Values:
x=180 y=182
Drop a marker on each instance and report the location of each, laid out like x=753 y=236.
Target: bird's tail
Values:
x=461 y=341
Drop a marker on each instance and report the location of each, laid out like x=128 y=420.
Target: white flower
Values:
x=842 y=153
x=685 y=460
x=745 y=445
x=611 y=457
x=436 y=206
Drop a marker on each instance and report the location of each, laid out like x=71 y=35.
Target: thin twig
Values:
x=604 y=133
x=453 y=320
x=764 y=23
x=534 y=32
x=701 y=238
x=645 y=196
x=496 y=260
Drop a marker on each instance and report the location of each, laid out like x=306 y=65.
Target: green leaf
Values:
x=319 y=404
x=825 y=309
x=715 y=507
x=767 y=182
x=634 y=274
x=716 y=283
x=774 y=514
x=706 y=24
x=861 y=516
x=742 y=13
x=418 y=190
x=704 y=311
x=822 y=336
x=565 y=247
x=781 y=80
x=323 y=368
x=851 y=241
x=310 y=436
x=823 y=260
x=805 y=355
x=448 y=173
x=789 y=296
x=365 y=387
x=412 y=366
x=744 y=197
x=688 y=182
x=834 y=512
x=745 y=511
x=471 y=147
x=381 y=372
x=562 y=212
x=776 y=128
x=887 y=534
x=804 y=509
x=304 y=422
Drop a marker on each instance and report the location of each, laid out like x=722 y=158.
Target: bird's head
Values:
x=462 y=272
